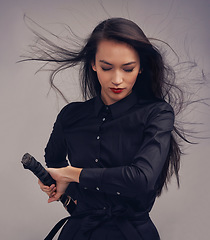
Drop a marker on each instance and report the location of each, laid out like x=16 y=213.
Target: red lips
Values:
x=117 y=90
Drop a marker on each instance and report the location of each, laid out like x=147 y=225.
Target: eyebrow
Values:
x=126 y=64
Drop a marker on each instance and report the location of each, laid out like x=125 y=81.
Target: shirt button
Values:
x=96 y=160
x=85 y=188
x=107 y=108
x=118 y=193
x=97 y=188
x=104 y=119
x=98 y=137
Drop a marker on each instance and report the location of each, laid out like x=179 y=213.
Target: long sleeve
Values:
x=141 y=175
x=56 y=149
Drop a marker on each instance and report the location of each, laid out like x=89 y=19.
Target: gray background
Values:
x=27 y=114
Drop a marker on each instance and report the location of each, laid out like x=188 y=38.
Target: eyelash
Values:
x=107 y=69
x=129 y=70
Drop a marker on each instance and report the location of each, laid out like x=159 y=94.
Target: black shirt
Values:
x=121 y=147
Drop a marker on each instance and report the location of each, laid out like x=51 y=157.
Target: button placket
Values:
x=102 y=120
x=98 y=136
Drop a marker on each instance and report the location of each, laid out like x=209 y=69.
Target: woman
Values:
x=119 y=142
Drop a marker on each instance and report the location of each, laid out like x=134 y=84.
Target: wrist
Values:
x=71 y=174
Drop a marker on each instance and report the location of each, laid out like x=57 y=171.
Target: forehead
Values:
x=111 y=50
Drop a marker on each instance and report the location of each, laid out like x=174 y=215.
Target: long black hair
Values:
x=157 y=78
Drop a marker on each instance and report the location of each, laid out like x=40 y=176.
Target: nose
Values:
x=117 y=78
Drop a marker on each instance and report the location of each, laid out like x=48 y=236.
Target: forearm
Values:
x=126 y=181
x=71 y=174
x=63 y=177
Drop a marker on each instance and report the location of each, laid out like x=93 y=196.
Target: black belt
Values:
x=121 y=216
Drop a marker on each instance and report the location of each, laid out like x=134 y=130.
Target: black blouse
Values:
x=121 y=147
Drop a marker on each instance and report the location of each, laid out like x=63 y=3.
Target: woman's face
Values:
x=117 y=66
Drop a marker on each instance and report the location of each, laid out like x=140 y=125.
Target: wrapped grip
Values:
x=29 y=162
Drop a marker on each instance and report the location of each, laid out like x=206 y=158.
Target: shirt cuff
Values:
x=90 y=178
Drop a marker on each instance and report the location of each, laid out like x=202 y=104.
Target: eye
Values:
x=105 y=69
x=128 y=70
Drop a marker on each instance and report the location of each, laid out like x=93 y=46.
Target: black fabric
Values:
x=122 y=149
x=56 y=228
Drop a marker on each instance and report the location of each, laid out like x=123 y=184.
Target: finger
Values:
x=52 y=194
x=45 y=188
x=56 y=197
x=42 y=186
x=52 y=187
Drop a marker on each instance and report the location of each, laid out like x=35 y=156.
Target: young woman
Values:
x=119 y=141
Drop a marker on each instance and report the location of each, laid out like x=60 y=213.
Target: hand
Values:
x=62 y=176
x=58 y=174
x=50 y=191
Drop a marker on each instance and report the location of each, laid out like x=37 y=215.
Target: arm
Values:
x=141 y=176
x=55 y=157
x=56 y=150
x=63 y=177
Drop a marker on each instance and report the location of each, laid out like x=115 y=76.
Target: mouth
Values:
x=117 y=90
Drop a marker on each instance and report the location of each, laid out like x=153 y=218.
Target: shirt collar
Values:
x=119 y=108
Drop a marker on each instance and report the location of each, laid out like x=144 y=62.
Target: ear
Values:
x=93 y=66
x=141 y=70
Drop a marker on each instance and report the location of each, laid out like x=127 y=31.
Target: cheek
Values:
x=133 y=79
x=102 y=77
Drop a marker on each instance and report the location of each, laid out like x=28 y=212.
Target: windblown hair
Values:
x=157 y=78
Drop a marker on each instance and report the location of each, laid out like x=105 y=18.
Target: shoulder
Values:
x=75 y=110
x=160 y=105
x=157 y=110
x=155 y=106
